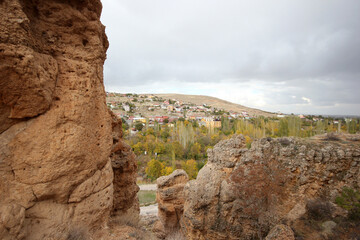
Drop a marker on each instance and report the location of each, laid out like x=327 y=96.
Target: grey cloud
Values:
x=311 y=46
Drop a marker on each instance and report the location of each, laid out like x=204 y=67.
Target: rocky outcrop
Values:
x=55 y=128
x=124 y=166
x=243 y=193
x=170 y=199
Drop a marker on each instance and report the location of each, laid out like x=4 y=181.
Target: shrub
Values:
x=332 y=137
x=248 y=142
x=350 y=200
x=284 y=141
x=318 y=209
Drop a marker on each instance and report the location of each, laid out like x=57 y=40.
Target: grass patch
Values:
x=146 y=197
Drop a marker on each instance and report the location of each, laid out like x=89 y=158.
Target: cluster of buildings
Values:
x=138 y=108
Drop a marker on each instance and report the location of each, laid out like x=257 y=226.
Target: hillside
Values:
x=153 y=105
x=217 y=103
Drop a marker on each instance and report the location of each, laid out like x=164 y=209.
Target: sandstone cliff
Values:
x=55 y=129
x=242 y=193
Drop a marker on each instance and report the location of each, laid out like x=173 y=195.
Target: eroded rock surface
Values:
x=280 y=232
x=170 y=199
x=55 y=128
x=124 y=165
x=242 y=194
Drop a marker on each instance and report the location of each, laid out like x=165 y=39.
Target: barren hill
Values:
x=215 y=102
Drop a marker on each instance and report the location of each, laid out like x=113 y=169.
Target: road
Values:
x=149 y=210
x=148 y=187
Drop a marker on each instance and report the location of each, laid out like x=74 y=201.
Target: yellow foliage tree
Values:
x=154 y=169
x=166 y=171
x=190 y=168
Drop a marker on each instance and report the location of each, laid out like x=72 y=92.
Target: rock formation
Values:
x=55 y=129
x=280 y=232
x=124 y=166
x=170 y=199
x=243 y=193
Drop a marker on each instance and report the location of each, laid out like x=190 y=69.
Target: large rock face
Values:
x=242 y=194
x=55 y=129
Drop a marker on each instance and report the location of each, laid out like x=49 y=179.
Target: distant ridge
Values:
x=215 y=102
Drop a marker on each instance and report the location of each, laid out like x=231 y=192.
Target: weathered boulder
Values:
x=280 y=232
x=170 y=199
x=55 y=128
x=243 y=193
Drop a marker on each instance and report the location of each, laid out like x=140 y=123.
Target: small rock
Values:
x=328 y=226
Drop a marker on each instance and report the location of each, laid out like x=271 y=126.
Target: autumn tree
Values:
x=190 y=168
x=154 y=169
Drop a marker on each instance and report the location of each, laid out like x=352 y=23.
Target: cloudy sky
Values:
x=298 y=56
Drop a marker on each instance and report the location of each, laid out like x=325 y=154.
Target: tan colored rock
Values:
x=241 y=193
x=12 y=218
x=159 y=230
x=56 y=133
x=170 y=199
x=280 y=232
x=296 y=212
x=125 y=169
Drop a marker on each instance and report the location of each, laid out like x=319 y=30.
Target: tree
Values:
x=283 y=128
x=190 y=168
x=138 y=148
x=139 y=126
x=195 y=150
x=154 y=169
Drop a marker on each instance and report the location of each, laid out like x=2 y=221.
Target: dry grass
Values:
x=175 y=235
x=131 y=220
x=78 y=233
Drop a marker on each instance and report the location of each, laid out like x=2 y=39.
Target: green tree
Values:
x=283 y=127
x=139 y=126
x=195 y=150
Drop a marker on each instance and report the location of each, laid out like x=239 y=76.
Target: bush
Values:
x=332 y=137
x=318 y=209
x=284 y=141
x=350 y=200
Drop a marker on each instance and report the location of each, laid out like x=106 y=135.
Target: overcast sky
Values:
x=298 y=56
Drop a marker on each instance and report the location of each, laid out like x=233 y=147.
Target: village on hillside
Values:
x=149 y=109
